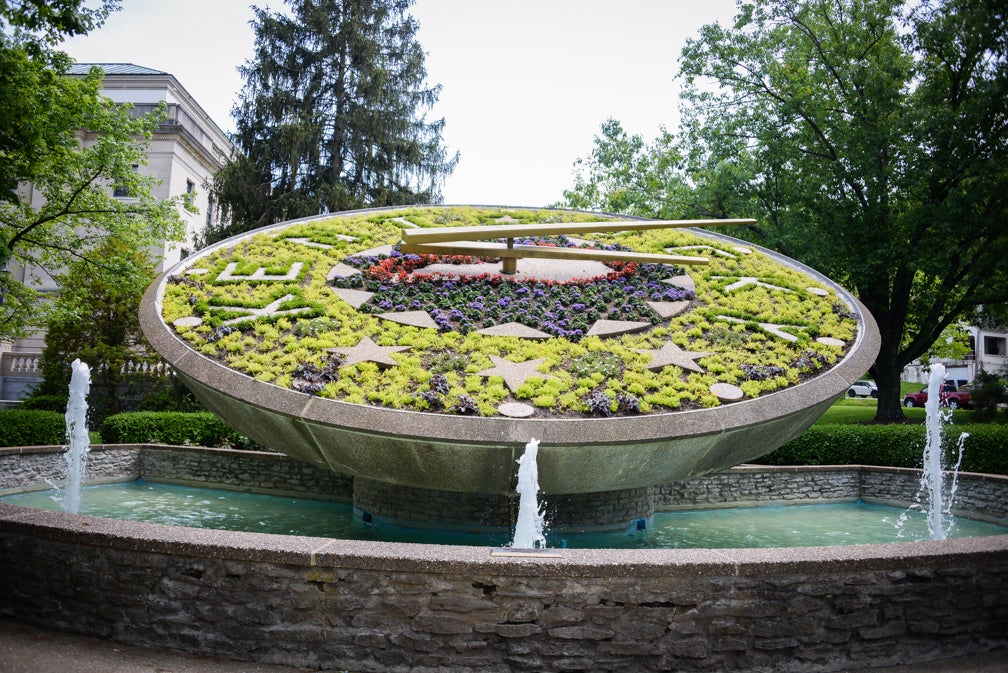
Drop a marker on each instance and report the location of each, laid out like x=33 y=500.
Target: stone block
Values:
x=524 y=612
x=441 y=623
x=415 y=642
x=695 y=647
x=887 y=630
x=730 y=644
x=560 y=616
x=775 y=643
x=580 y=633
x=637 y=630
x=630 y=648
x=516 y=630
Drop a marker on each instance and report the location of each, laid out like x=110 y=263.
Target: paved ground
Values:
x=26 y=649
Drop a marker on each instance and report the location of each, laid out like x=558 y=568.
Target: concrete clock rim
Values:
x=479 y=430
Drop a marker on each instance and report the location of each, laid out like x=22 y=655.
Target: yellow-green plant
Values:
x=727 y=319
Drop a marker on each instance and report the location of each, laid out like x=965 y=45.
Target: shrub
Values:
x=31 y=427
x=989 y=392
x=167 y=427
x=56 y=403
x=986 y=449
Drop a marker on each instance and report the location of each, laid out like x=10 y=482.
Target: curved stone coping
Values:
x=395 y=423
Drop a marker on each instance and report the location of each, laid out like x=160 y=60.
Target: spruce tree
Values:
x=332 y=116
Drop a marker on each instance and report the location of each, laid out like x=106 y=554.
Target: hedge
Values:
x=32 y=427
x=46 y=402
x=167 y=427
x=985 y=450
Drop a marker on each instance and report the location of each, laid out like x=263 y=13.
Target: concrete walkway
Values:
x=28 y=649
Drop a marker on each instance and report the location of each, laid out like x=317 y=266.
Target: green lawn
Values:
x=862 y=409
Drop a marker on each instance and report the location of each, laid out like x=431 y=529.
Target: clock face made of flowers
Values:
x=336 y=307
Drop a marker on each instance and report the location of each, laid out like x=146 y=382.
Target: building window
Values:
x=209 y=211
x=994 y=346
x=190 y=186
x=123 y=191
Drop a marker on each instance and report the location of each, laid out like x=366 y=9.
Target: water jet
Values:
x=78 y=443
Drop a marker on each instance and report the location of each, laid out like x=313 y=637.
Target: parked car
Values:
x=863 y=388
x=949 y=397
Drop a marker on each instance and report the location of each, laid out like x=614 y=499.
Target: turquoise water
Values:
x=780 y=526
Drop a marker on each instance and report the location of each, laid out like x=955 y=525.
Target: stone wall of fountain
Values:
x=369 y=606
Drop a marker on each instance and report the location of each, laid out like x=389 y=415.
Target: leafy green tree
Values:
x=43 y=23
x=99 y=323
x=332 y=116
x=63 y=149
x=628 y=176
x=28 y=65
x=990 y=392
x=990 y=316
x=878 y=138
x=870 y=138
x=74 y=210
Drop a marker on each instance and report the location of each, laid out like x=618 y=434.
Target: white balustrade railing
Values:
x=28 y=364
x=20 y=364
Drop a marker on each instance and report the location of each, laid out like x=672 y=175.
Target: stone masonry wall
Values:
x=581 y=511
x=763 y=485
x=978 y=496
x=349 y=611
x=30 y=468
x=608 y=510
x=245 y=470
x=406 y=505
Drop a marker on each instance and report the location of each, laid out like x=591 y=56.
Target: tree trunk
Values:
x=887 y=371
x=890 y=402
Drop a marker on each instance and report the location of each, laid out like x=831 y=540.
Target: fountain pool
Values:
x=803 y=525
x=363 y=605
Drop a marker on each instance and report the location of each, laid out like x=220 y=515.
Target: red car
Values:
x=950 y=397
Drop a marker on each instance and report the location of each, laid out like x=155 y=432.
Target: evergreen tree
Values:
x=332 y=116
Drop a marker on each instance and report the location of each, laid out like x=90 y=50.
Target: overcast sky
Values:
x=526 y=84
